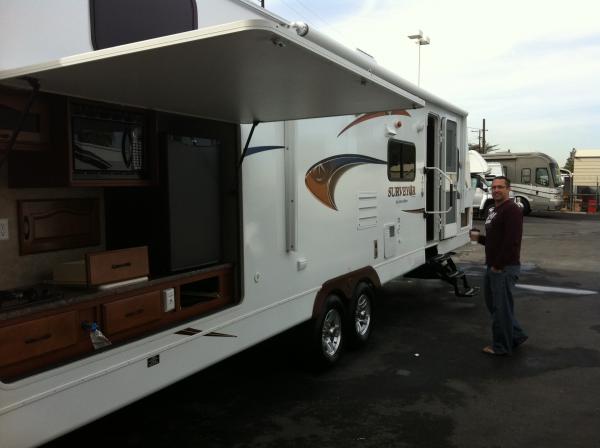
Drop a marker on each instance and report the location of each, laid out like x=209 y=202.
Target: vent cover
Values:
x=367 y=210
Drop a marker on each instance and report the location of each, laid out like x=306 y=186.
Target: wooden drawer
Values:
x=117 y=265
x=40 y=336
x=135 y=311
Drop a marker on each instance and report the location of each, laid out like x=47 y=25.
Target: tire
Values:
x=328 y=333
x=526 y=206
x=359 y=322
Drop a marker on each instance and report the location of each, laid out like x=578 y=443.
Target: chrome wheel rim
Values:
x=331 y=334
x=362 y=315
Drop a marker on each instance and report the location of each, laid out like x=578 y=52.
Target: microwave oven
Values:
x=108 y=142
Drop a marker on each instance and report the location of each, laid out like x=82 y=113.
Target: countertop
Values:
x=76 y=295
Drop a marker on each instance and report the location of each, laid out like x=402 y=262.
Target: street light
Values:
x=420 y=40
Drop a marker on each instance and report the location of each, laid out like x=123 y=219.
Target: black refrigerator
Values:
x=180 y=219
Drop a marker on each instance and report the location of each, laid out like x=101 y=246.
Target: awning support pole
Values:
x=254 y=124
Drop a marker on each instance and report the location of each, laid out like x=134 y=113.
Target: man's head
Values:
x=500 y=189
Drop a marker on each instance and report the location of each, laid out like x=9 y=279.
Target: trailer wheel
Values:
x=359 y=322
x=328 y=334
x=526 y=206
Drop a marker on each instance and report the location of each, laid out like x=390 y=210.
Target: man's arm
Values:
x=513 y=232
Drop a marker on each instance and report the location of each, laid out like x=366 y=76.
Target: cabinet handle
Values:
x=38 y=339
x=134 y=313
x=122 y=265
x=26 y=228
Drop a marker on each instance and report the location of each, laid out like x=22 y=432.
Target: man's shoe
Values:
x=488 y=350
x=519 y=341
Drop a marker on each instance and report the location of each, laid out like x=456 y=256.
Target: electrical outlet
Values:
x=3 y=229
x=168 y=296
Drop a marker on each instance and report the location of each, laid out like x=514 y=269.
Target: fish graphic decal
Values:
x=322 y=177
x=370 y=116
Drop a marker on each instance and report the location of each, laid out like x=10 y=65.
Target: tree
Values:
x=570 y=164
x=488 y=147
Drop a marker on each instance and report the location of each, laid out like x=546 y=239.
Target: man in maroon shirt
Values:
x=502 y=240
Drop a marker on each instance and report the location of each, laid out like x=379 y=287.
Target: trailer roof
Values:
x=238 y=72
x=587 y=153
x=506 y=155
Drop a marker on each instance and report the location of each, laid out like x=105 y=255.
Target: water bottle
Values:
x=97 y=337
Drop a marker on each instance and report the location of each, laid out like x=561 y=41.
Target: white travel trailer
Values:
x=186 y=196
x=535 y=179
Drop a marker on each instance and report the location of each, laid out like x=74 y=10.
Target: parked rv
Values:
x=535 y=179
x=482 y=174
x=179 y=192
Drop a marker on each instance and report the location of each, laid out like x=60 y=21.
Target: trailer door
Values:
x=442 y=174
x=449 y=183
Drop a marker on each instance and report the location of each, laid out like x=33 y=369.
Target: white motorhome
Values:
x=482 y=174
x=535 y=178
x=172 y=195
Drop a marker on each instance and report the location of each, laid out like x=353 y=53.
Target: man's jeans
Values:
x=506 y=331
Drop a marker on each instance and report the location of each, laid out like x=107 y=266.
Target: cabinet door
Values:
x=132 y=312
x=56 y=224
x=35 y=132
x=38 y=337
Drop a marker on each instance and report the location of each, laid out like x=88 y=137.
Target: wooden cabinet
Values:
x=40 y=158
x=35 y=131
x=43 y=340
x=56 y=224
x=74 y=143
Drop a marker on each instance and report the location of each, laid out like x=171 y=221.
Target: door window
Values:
x=526 y=176
x=451 y=147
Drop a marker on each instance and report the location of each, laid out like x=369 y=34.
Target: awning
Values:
x=238 y=72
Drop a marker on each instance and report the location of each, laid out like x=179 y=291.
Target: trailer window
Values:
x=451 y=147
x=526 y=176
x=541 y=177
x=401 y=161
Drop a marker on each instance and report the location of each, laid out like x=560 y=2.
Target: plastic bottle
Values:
x=98 y=339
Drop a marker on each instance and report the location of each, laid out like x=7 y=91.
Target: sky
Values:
x=531 y=68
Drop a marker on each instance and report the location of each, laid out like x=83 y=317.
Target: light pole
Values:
x=420 y=40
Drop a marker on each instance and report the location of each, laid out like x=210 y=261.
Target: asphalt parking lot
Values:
x=421 y=382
